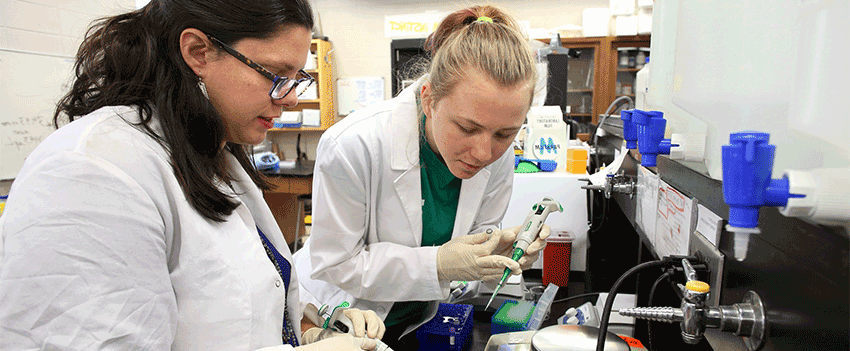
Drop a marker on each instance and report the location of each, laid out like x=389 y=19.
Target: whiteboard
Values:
x=358 y=92
x=30 y=87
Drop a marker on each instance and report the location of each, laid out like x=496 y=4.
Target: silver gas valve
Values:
x=746 y=319
x=614 y=183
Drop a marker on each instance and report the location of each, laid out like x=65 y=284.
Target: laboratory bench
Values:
x=665 y=336
x=481 y=325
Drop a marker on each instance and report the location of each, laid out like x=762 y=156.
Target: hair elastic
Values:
x=484 y=19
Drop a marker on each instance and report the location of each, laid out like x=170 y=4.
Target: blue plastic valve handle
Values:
x=629 y=131
x=650 y=131
x=747 y=183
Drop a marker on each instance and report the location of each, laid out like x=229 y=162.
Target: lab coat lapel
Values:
x=404 y=161
x=471 y=192
x=255 y=208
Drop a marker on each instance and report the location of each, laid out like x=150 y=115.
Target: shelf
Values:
x=579 y=114
x=323 y=99
x=629 y=95
x=628 y=69
x=579 y=90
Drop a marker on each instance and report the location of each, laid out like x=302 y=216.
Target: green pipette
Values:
x=531 y=228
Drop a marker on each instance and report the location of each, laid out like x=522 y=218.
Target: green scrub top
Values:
x=440 y=193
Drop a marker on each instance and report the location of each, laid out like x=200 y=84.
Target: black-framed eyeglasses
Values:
x=281 y=86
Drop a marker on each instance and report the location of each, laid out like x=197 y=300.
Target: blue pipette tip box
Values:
x=449 y=330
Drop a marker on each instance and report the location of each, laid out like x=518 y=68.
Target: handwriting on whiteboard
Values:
x=25 y=132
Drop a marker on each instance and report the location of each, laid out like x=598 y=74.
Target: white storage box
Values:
x=311 y=118
x=288 y=119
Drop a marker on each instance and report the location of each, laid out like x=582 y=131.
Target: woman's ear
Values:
x=425 y=98
x=196 y=49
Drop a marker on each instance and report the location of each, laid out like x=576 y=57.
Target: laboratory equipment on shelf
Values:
x=650 y=130
x=546 y=135
x=528 y=232
x=266 y=160
x=577 y=160
x=746 y=319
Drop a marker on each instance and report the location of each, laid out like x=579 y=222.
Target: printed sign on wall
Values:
x=412 y=26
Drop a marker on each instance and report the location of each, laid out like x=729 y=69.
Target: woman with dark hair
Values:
x=141 y=223
x=405 y=191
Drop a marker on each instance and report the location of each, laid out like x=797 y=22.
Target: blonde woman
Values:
x=405 y=190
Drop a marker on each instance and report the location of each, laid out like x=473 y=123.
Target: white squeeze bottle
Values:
x=641 y=86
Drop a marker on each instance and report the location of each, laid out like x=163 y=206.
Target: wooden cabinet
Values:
x=593 y=76
x=325 y=89
x=583 y=93
x=625 y=58
x=283 y=202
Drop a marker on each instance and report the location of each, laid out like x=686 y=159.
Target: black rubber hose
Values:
x=604 y=207
x=649 y=303
x=609 y=302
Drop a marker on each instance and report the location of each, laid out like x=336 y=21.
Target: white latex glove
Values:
x=472 y=257
x=365 y=323
x=506 y=245
x=318 y=339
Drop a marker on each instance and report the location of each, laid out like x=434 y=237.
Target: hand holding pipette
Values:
x=472 y=257
x=532 y=253
x=529 y=231
x=365 y=327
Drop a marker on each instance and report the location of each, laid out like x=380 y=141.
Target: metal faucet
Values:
x=614 y=183
x=746 y=319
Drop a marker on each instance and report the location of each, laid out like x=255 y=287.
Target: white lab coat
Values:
x=99 y=249
x=367 y=216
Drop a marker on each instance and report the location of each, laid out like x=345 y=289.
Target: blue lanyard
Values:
x=282 y=265
x=284 y=269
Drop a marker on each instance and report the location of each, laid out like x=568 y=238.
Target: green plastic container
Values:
x=505 y=320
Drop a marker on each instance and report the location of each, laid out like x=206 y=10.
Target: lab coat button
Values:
x=277 y=283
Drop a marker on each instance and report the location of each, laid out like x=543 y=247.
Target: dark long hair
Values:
x=134 y=59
